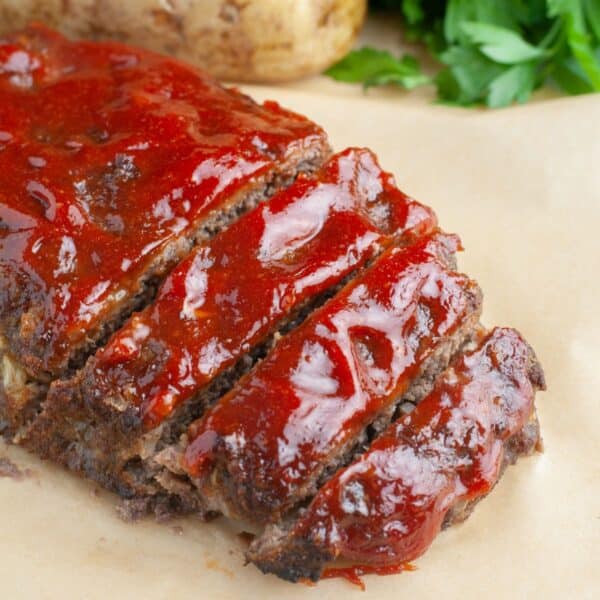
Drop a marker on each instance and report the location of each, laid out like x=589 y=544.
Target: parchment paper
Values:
x=522 y=187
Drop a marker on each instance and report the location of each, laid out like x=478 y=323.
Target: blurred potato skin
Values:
x=236 y=40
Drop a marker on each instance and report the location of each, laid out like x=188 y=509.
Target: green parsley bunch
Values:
x=491 y=51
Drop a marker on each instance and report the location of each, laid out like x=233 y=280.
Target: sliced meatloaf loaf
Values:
x=425 y=472
x=203 y=310
x=216 y=313
x=114 y=161
x=268 y=444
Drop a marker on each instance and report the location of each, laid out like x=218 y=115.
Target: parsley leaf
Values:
x=490 y=52
x=592 y=12
x=499 y=44
x=413 y=11
x=580 y=42
x=569 y=76
x=468 y=76
x=515 y=84
x=378 y=67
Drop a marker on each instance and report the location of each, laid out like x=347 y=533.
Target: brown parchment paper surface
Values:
x=522 y=188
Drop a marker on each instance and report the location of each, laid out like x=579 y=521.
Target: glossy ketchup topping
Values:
x=230 y=293
x=327 y=380
x=108 y=153
x=387 y=506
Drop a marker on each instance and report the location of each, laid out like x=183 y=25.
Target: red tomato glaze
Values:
x=387 y=506
x=109 y=153
x=327 y=380
x=230 y=293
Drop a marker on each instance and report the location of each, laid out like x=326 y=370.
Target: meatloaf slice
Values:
x=268 y=444
x=217 y=312
x=114 y=162
x=426 y=471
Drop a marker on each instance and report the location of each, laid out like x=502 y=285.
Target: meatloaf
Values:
x=424 y=473
x=203 y=310
x=215 y=314
x=115 y=161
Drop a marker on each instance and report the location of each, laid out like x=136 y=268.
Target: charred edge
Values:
x=290 y=558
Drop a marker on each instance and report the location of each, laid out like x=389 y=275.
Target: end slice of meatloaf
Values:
x=426 y=471
x=114 y=162
x=269 y=443
x=216 y=313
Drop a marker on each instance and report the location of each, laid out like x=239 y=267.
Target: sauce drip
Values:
x=354 y=574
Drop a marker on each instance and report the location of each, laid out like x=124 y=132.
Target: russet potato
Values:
x=238 y=40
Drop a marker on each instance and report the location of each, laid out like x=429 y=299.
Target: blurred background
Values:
x=459 y=52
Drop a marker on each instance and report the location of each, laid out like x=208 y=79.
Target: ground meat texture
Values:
x=218 y=312
x=115 y=161
x=426 y=471
x=264 y=446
